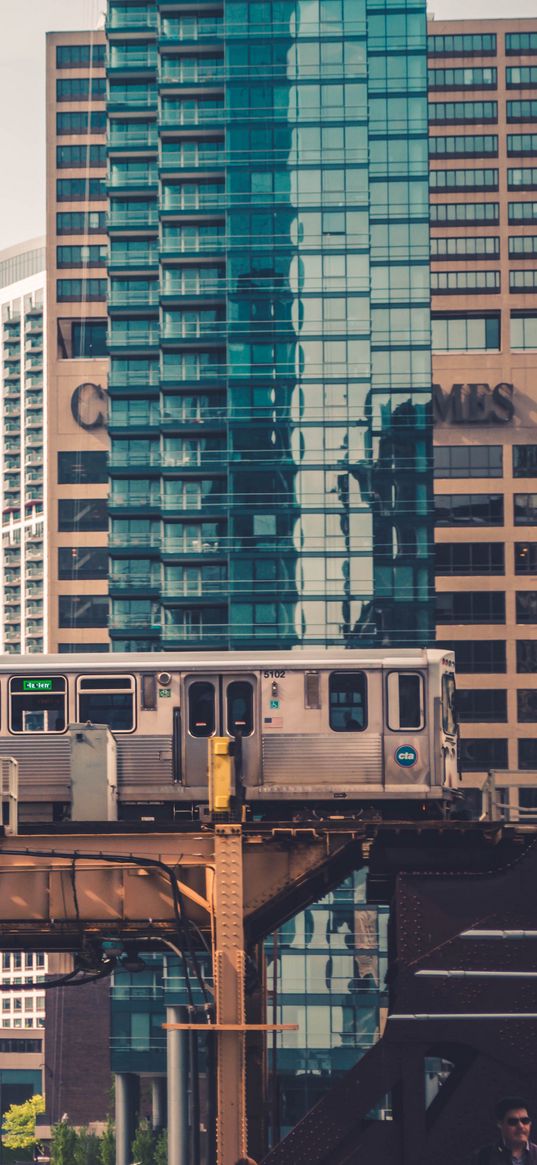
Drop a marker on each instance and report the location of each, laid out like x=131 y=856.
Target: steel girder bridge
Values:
x=462 y=963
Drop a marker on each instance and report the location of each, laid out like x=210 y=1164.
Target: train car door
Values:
x=220 y=706
x=406 y=743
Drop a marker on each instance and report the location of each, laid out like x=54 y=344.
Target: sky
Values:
x=23 y=25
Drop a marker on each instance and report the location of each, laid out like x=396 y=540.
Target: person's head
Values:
x=513 y=1122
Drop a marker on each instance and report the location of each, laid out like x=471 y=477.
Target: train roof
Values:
x=313 y=657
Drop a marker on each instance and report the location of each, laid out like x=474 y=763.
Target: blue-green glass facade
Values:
x=269 y=324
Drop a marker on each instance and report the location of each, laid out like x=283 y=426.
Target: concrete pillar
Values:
x=177 y=1054
x=158 y=1102
x=127 y=1092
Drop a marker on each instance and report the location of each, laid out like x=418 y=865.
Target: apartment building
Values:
x=77 y=410
x=483 y=178
x=23 y=554
x=269 y=325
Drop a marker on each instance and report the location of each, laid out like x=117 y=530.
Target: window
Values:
x=81 y=222
x=449 y=710
x=81 y=89
x=80 y=156
x=525 y=509
x=76 y=290
x=526 y=699
x=465 y=333
x=524 y=245
x=83 y=467
x=526 y=656
x=447 y=112
x=107 y=700
x=347 y=696
x=465 y=247
x=469 y=509
x=527 y=755
x=462 y=44
x=520 y=43
x=83 y=610
x=82 y=514
x=524 y=460
x=77 y=562
x=523 y=280
x=480 y=705
x=406 y=701
x=470 y=607
x=240 y=708
x=448 y=282
x=201 y=709
x=81 y=338
x=468 y=461
x=81 y=121
x=470 y=78
x=521 y=143
x=94 y=255
x=521 y=212
x=525 y=557
x=522 y=178
x=463 y=145
x=90 y=648
x=482 y=755
x=521 y=76
x=475 y=179
x=526 y=606
x=521 y=111
x=480 y=656
x=77 y=56
x=464 y=213
x=80 y=190
x=37 y=703
x=470 y=558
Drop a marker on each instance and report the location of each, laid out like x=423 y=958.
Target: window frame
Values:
x=41 y=732
x=364 y=678
x=389 y=701
x=108 y=676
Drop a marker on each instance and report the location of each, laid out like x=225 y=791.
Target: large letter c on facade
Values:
x=89 y=406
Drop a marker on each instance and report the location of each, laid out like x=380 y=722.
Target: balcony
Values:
x=34 y=419
x=12 y=635
x=191 y=72
x=190 y=30
x=174 y=247
x=137 y=542
x=137 y=623
x=137 y=583
x=139 y=503
x=132 y=298
x=134 y=378
x=143 y=178
x=135 y=138
x=126 y=260
x=130 y=20
x=135 y=219
x=123 y=63
x=131 y=461
x=192 y=288
x=176 y=635
x=34 y=552
x=130 y=340
x=34 y=325
x=123 y=101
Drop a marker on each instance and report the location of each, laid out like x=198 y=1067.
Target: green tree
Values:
x=87 y=1148
x=142 y=1145
x=161 y=1148
x=107 y=1144
x=19 y=1123
x=63 y=1144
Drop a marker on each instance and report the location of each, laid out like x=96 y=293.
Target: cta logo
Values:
x=406 y=756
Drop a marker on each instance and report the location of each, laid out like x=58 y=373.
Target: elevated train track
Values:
x=464 y=899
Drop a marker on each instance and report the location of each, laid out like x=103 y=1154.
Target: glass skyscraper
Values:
x=269 y=324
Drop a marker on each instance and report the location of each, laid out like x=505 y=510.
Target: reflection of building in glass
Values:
x=270 y=378
x=331 y=967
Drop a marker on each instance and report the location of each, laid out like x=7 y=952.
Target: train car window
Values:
x=449 y=710
x=201 y=717
x=37 y=704
x=240 y=708
x=107 y=700
x=406 y=702
x=348 y=701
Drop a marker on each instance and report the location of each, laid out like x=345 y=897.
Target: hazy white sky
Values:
x=23 y=24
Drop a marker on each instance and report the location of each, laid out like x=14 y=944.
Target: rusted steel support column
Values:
x=229 y=992
x=177 y=1064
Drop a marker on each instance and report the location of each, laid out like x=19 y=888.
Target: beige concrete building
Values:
x=76 y=423
x=483 y=119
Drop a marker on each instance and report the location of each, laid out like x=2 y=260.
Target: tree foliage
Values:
x=160 y=1155
x=19 y=1123
x=143 y=1144
x=107 y=1144
x=63 y=1144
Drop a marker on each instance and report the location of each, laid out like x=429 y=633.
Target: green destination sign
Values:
x=37 y=685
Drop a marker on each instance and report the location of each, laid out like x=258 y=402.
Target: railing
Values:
x=9 y=777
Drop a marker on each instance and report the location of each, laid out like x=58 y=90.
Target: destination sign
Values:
x=37 y=685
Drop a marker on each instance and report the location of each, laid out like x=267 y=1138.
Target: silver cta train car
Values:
x=321 y=730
